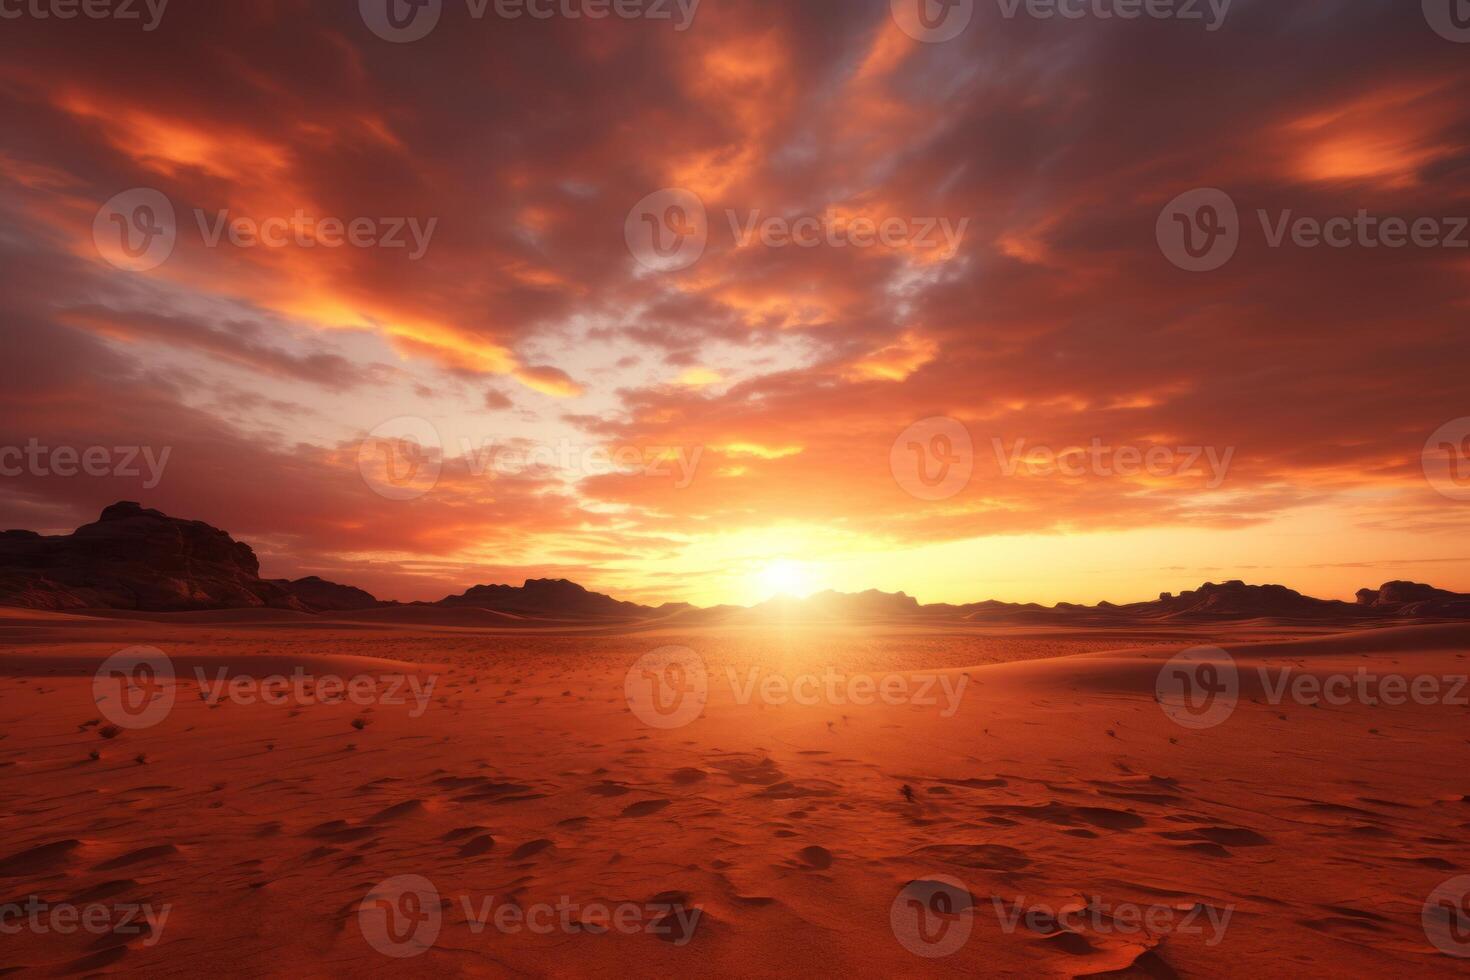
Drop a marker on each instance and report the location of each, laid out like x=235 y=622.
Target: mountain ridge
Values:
x=135 y=558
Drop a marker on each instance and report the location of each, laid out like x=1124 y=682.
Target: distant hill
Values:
x=548 y=598
x=133 y=558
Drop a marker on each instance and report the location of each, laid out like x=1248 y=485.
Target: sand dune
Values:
x=1035 y=822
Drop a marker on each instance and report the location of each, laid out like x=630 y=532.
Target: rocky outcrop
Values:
x=319 y=595
x=135 y=558
x=547 y=598
x=1415 y=600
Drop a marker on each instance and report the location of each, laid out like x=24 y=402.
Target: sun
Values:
x=786 y=577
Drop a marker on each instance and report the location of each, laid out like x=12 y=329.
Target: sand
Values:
x=499 y=821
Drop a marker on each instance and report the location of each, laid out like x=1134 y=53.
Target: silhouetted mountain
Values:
x=134 y=558
x=319 y=595
x=1236 y=600
x=548 y=598
x=1412 y=599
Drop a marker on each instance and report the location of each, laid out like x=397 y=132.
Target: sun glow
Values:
x=786 y=577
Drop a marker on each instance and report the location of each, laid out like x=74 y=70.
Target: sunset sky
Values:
x=782 y=374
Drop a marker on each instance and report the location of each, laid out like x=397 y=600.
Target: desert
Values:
x=734 y=488
x=772 y=792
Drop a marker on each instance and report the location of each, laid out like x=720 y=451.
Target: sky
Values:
x=709 y=302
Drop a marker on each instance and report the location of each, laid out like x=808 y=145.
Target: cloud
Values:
x=787 y=371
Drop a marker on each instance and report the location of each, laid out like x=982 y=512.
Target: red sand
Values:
x=761 y=838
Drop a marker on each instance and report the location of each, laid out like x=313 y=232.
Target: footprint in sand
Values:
x=815 y=857
x=530 y=848
x=477 y=846
x=47 y=857
x=644 y=808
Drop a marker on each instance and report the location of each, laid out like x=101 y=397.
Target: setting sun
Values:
x=786 y=577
